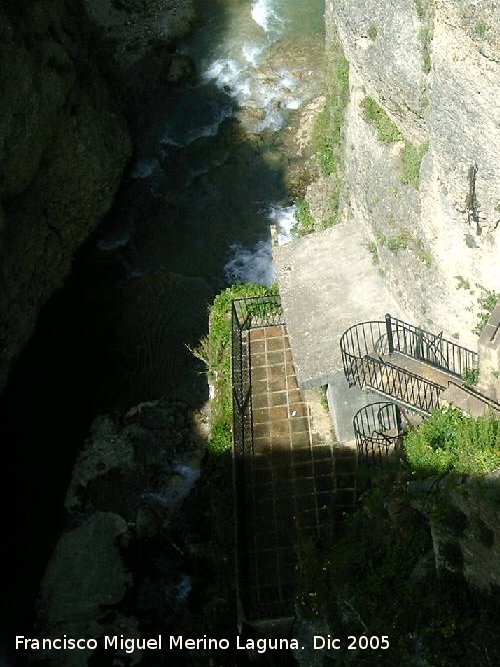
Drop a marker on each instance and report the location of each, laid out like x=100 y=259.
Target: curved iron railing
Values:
x=379 y=432
x=363 y=346
x=362 y=341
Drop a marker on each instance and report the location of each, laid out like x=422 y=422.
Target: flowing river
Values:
x=219 y=147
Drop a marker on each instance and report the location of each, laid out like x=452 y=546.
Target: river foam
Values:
x=263 y=14
x=256 y=265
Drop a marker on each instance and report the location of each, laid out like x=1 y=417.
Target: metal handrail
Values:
x=472 y=391
x=363 y=345
x=393 y=335
x=431 y=348
x=258 y=311
x=247 y=314
x=378 y=429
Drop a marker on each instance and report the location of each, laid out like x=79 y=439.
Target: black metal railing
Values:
x=365 y=348
x=258 y=311
x=261 y=311
x=407 y=388
x=430 y=348
x=389 y=380
x=362 y=341
x=246 y=314
x=379 y=432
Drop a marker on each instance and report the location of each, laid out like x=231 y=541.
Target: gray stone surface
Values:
x=489 y=356
x=63 y=147
x=434 y=68
x=328 y=282
x=344 y=402
x=70 y=601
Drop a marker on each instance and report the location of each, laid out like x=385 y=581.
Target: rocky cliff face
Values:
x=64 y=141
x=130 y=28
x=123 y=529
x=428 y=189
x=465 y=528
x=63 y=147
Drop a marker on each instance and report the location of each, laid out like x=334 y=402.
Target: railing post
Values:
x=419 y=352
x=388 y=329
x=399 y=424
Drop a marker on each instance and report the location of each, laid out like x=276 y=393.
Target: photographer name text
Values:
x=181 y=643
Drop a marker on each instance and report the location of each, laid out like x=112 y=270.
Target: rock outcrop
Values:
x=127 y=488
x=63 y=147
x=465 y=528
x=429 y=191
x=70 y=73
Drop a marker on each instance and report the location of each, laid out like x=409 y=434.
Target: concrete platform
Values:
x=344 y=402
x=468 y=402
x=328 y=282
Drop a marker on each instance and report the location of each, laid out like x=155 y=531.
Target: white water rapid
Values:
x=255 y=65
x=218 y=151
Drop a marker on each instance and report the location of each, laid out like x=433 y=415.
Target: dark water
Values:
x=192 y=214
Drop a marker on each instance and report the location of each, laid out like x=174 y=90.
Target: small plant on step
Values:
x=471 y=377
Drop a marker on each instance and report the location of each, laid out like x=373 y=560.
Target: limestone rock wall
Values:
x=63 y=147
x=434 y=67
x=464 y=522
x=68 y=77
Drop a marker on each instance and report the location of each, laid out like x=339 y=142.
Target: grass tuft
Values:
x=387 y=130
x=487 y=302
x=452 y=441
x=412 y=159
x=216 y=353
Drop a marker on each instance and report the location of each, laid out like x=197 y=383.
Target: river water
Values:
x=217 y=147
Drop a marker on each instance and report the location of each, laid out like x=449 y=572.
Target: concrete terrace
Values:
x=327 y=283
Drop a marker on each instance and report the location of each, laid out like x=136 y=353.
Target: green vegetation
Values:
x=423 y=254
x=373 y=250
x=471 y=377
x=412 y=159
x=215 y=351
x=487 y=302
x=425 y=12
x=480 y=29
x=422 y=7
x=323 y=394
x=402 y=241
x=462 y=283
x=372 y=32
x=387 y=131
x=426 y=37
x=380 y=579
x=305 y=221
x=452 y=441
x=399 y=242
x=328 y=137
